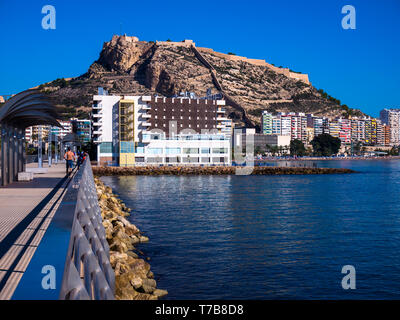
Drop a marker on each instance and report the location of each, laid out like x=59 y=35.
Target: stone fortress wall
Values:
x=258 y=62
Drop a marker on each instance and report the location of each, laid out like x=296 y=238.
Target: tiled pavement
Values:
x=26 y=209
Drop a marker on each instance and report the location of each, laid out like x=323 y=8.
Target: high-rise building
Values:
x=83 y=129
x=380 y=134
x=391 y=117
x=277 y=125
x=266 y=122
x=345 y=131
x=386 y=134
x=286 y=125
x=334 y=128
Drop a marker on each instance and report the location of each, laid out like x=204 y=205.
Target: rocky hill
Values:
x=127 y=65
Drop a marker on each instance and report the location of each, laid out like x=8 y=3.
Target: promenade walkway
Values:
x=26 y=209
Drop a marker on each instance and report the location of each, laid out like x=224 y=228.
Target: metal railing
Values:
x=88 y=273
x=75 y=246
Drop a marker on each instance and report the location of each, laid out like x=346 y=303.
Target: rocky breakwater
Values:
x=218 y=170
x=133 y=278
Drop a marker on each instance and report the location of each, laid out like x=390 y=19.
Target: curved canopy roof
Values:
x=28 y=108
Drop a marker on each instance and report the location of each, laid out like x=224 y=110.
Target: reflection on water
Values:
x=271 y=237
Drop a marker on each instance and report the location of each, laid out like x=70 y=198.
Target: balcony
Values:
x=146 y=124
x=220 y=110
x=97 y=132
x=146 y=107
x=146 y=116
x=97 y=115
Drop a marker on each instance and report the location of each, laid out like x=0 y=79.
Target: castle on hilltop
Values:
x=259 y=62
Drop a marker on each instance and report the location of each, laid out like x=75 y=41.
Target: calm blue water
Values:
x=271 y=237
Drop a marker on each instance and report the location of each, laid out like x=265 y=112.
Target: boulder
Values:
x=160 y=293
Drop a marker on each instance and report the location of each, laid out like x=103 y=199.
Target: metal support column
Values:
x=10 y=154
x=49 y=155
x=55 y=148
x=15 y=155
x=40 y=159
x=4 y=158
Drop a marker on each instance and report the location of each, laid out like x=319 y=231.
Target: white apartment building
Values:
x=140 y=130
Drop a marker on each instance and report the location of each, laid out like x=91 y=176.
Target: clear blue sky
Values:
x=360 y=67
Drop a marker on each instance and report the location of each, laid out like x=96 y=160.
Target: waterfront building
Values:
x=386 y=134
x=380 y=135
x=334 y=129
x=82 y=128
x=299 y=127
x=32 y=133
x=286 y=124
x=62 y=132
x=368 y=132
x=135 y=130
x=267 y=123
x=261 y=141
x=391 y=117
x=276 y=126
x=345 y=130
x=318 y=125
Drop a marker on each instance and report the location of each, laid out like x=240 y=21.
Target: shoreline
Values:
x=328 y=159
x=133 y=278
x=221 y=170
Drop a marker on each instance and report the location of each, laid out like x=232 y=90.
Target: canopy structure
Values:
x=25 y=109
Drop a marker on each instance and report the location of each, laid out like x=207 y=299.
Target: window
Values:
x=154 y=150
x=127 y=147
x=190 y=150
x=106 y=147
x=173 y=150
x=205 y=150
x=219 y=150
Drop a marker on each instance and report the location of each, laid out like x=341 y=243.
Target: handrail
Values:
x=75 y=246
x=88 y=273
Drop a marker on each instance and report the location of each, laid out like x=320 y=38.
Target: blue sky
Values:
x=360 y=67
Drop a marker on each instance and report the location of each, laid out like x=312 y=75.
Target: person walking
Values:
x=69 y=157
x=80 y=159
